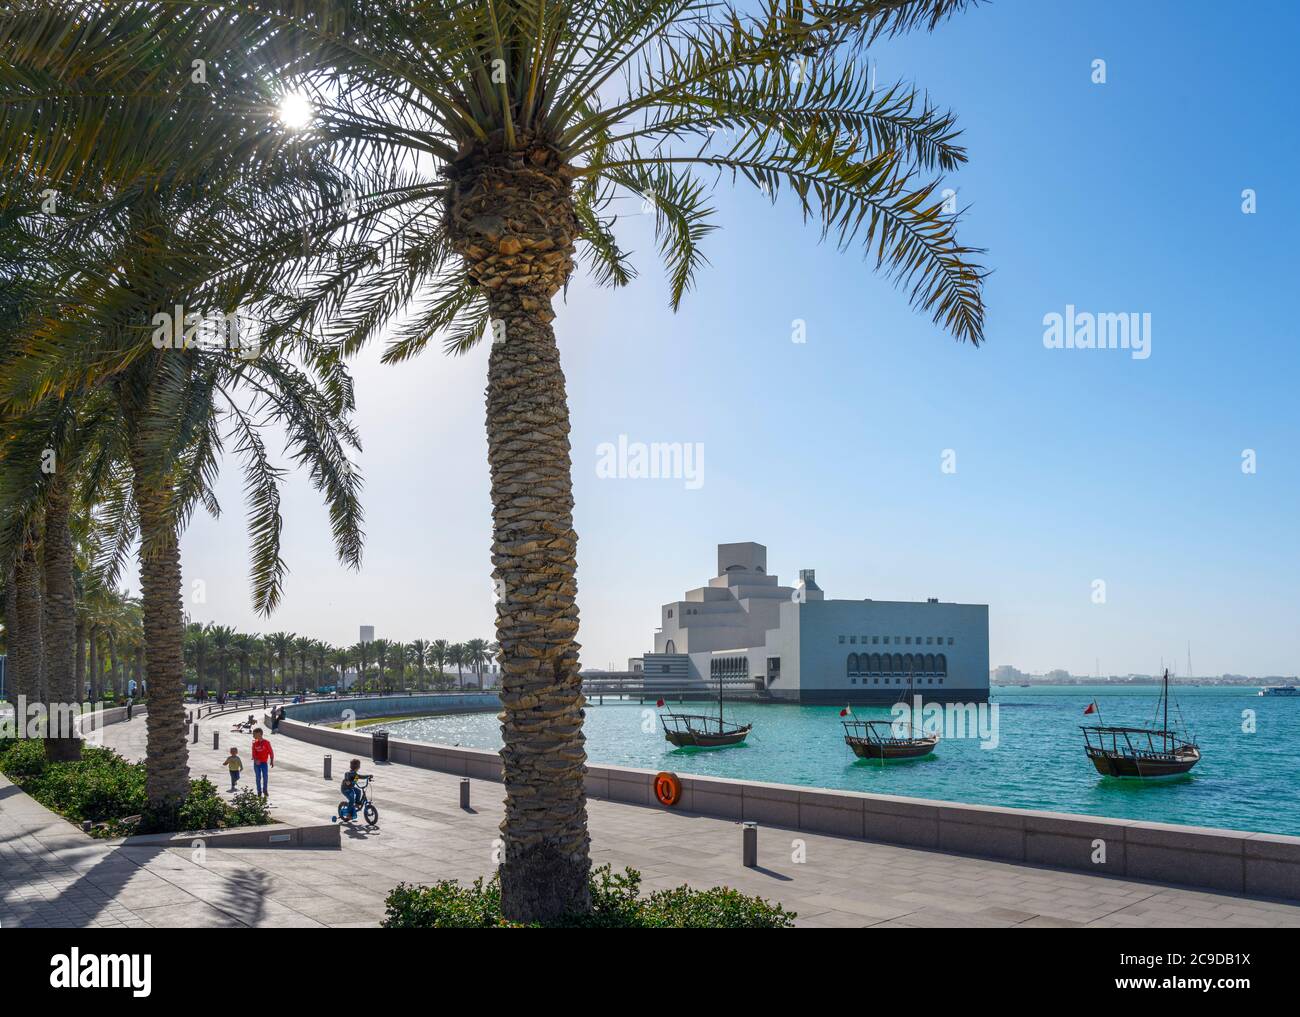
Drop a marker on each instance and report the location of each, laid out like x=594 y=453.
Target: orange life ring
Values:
x=668 y=789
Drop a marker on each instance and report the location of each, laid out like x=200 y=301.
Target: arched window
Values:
x=941 y=661
x=670 y=647
x=898 y=664
x=929 y=663
x=852 y=668
x=875 y=663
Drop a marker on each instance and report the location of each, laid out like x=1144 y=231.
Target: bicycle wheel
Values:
x=343 y=811
x=371 y=814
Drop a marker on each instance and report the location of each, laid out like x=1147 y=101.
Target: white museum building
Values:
x=793 y=642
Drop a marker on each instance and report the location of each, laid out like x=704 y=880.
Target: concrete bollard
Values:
x=216 y=739
x=329 y=766
x=464 y=793
x=749 y=846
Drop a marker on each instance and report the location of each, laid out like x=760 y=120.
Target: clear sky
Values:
x=1072 y=465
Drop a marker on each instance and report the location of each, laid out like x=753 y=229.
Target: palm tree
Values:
x=340 y=657
x=439 y=657
x=458 y=655
x=223 y=648
x=381 y=651
x=159 y=236
x=198 y=646
x=266 y=653
x=362 y=653
x=304 y=647
x=245 y=647
x=417 y=653
x=397 y=651
x=476 y=657
x=281 y=643
x=536 y=119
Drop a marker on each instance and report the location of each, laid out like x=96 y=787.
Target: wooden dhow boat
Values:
x=876 y=739
x=701 y=731
x=886 y=739
x=1144 y=753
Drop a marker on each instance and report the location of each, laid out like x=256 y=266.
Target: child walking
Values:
x=235 y=765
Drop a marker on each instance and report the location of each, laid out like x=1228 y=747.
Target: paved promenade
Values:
x=51 y=875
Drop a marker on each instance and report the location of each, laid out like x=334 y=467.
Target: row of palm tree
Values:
x=220 y=660
x=463 y=155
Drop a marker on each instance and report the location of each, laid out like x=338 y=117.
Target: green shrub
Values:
x=23 y=757
x=203 y=808
x=248 y=808
x=616 y=904
x=101 y=786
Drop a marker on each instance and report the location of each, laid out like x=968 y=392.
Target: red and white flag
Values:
x=846 y=712
x=660 y=703
x=1092 y=708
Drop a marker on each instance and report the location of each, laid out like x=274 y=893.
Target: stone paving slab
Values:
x=52 y=875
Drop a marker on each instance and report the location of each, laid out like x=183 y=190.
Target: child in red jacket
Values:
x=263 y=758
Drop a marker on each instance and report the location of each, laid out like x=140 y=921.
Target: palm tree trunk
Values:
x=167 y=772
x=27 y=645
x=80 y=663
x=61 y=744
x=114 y=670
x=512 y=219
x=11 y=634
x=94 y=664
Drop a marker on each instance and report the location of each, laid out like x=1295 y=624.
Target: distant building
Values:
x=747 y=630
x=367 y=633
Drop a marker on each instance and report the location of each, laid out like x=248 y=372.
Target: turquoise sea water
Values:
x=1245 y=781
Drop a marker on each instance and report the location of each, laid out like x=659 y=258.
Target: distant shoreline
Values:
x=1209 y=683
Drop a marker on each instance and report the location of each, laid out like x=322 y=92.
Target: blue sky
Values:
x=1072 y=466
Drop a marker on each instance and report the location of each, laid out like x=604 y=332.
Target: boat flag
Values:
x=660 y=703
x=846 y=712
x=1092 y=708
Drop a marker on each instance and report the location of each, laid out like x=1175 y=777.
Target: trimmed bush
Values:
x=616 y=904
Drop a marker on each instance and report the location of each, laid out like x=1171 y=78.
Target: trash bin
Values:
x=379 y=746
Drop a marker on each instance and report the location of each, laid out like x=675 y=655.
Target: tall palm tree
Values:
x=417 y=654
x=397 y=652
x=223 y=649
x=340 y=657
x=380 y=648
x=304 y=648
x=362 y=651
x=198 y=648
x=457 y=654
x=245 y=647
x=281 y=643
x=536 y=120
x=439 y=657
x=154 y=236
x=476 y=656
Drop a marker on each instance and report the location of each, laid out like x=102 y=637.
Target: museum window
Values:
x=841 y=640
x=853 y=640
